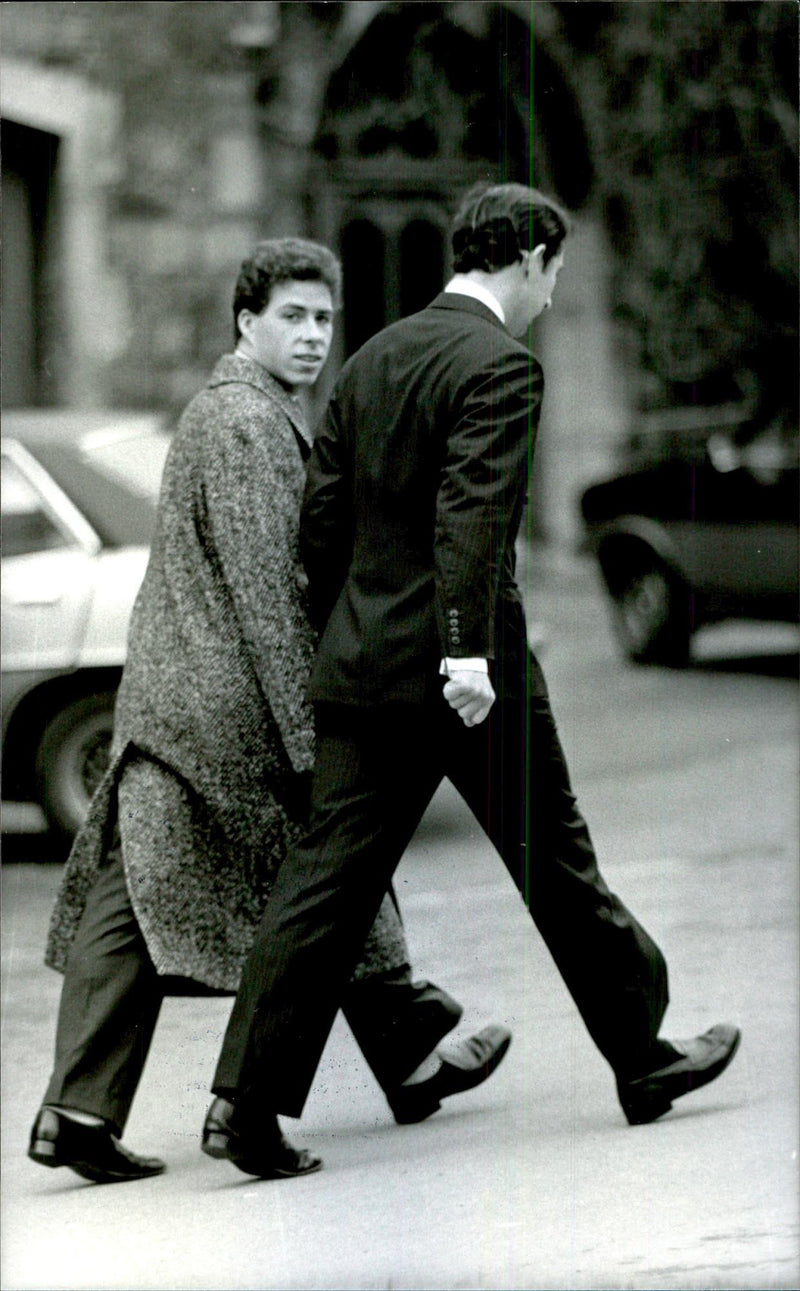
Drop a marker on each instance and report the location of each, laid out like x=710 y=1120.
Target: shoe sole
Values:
x=462 y=1081
x=215 y=1144
x=275 y=1172
x=455 y=1081
x=650 y=1102
x=43 y=1152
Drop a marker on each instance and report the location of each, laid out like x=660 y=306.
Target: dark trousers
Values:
x=376 y=771
x=112 y=995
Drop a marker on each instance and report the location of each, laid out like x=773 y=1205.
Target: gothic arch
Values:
x=423 y=100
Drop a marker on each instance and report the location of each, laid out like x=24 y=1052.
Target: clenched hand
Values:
x=471 y=694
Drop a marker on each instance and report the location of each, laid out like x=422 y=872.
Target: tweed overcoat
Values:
x=213 y=689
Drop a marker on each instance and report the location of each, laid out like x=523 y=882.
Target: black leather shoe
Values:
x=469 y=1066
x=702 y=1060
x=91 y=1151
x=266 y=1153
x=217 y=1129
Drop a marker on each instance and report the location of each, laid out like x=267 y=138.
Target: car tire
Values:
x=652 y=614
x=71 y=759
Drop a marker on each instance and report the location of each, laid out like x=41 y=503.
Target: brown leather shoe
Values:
x=464 y=1068
x=265 y=1153
x=91 y=1151
x=702 y=1059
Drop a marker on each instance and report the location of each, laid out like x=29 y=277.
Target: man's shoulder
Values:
x=232 y=412
x=474 y=341
x=450 y=329
x=243 y=385
x=231 y=401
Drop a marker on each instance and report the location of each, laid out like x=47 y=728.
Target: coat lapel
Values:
x=235 y=368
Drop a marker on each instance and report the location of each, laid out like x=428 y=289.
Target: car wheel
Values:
x=651 y=614
x=71 y=759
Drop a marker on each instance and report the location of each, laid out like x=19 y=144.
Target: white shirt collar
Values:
x=465 y=286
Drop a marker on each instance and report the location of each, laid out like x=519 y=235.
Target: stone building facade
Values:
x=147 y=145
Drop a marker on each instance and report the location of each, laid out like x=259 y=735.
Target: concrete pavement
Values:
x=533 y=1180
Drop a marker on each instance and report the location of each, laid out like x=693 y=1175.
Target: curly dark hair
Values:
x=282 y=260
x=495 y=222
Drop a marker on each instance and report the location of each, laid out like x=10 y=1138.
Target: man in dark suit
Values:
x=415 y=492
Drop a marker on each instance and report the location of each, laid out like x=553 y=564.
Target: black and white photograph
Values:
x=400 y=644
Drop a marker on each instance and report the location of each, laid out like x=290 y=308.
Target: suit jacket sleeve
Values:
x=480 y=500
x=252 y=488
x=326 y=518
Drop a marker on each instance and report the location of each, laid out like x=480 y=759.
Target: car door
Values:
x=48 y=556
x=745 y=543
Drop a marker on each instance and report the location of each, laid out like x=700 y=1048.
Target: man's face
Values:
x=292 y=335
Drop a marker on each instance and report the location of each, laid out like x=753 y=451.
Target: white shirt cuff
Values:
x=463 y=665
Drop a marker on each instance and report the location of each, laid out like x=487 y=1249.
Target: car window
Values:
x=138 y=463
x=113 y=480
x=25 y=526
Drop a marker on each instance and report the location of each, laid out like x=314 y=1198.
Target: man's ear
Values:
x=538 y=253
x=244 y=320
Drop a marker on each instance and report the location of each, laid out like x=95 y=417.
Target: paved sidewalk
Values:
x=533 y=1180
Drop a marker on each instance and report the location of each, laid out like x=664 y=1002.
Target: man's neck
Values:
x=464 y=284
x=242 y=352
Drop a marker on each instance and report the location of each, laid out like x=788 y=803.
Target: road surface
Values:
x=534 y=1180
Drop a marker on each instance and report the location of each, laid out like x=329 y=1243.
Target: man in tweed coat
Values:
x=212 y=749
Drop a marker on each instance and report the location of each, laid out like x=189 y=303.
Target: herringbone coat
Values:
x=213 y=688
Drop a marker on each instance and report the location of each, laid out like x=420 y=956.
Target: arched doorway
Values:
x=423 y=105
x=60 y=156
x=29 y=167
x=429 y=99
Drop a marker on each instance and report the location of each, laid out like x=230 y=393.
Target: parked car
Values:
x=79 y=493
x=700 y=526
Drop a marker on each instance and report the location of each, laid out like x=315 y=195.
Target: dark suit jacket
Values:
x=414 y=496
